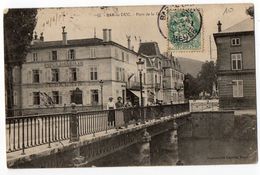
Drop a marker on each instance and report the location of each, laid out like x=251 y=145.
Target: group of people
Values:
x=120 y=105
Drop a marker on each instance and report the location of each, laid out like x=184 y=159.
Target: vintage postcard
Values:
x=130 y=86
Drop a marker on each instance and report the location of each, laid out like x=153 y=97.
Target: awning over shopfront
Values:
x=134 y=95
x=137 y=93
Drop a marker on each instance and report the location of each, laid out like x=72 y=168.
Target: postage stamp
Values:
x=184 y=29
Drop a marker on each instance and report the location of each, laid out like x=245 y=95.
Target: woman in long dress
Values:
x=111 y=113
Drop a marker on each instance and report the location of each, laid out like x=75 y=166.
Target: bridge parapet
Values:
x=98 y=141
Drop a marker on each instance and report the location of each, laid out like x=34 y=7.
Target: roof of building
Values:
x=149 y=49
x=77 y=42
x=246 y=25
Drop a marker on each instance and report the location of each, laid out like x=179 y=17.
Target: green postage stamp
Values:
x=184 y=29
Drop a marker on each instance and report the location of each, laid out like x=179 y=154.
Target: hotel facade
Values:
x=84 y=71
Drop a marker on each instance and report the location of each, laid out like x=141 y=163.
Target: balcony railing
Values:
x=30 y=131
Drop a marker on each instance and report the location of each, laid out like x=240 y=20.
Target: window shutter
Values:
x=67 y=75
x=240 y=88
x=60 y=97
x=49 y=53
x=78 y=74
x=40 y=76
x=48 y=75
x=235 y=89
x=29 y=77
x=68 y=54
x=30 y=99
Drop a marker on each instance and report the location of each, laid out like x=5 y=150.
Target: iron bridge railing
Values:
x=30 y=131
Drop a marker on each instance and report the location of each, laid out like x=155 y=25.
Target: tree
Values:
x=191 y=87
x=18 y=33
x=250 y=11
x=207 y=77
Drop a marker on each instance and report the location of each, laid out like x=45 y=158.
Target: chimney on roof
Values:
x=41 y=37
x=109 y=35
x=128 y=41
x=105 y=35
x=64 y=36
x=219 y=26
x=35 y=36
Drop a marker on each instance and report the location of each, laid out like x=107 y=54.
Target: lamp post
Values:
x=140 y=66
x=101 y=88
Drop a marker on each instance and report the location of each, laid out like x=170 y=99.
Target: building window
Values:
x=55 y=75
x=235 y=41
x=237 y=88
x=73 y=74
x=127 y=58
x=15 y=98
x=236 y=61
x=155 y=78
x=116 y=53
x=36 y=98
x=94 y=97
x=56 y=97
x=36 y=76
x=118 y=73
x=123 y=74
x=93 y=73
x=54 y=55
x=123 y=56
x=160 y=65
x=92 y=52
x=71 y=54
x=35 y=57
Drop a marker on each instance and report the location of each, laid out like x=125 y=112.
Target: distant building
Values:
x=164 y=78
x=236 y=65
x=57 y=73
x=173 y=77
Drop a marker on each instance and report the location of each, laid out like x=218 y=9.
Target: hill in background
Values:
x=190 y=66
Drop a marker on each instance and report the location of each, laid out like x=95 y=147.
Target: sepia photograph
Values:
x=120 y=86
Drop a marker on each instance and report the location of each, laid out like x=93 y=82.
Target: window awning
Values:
x=137 y=93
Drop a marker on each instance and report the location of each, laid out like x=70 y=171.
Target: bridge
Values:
x=77 y=139
x=84 y=139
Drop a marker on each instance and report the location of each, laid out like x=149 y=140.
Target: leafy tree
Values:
x=250 y=11
x=191 y=87
x=18 y=33
x=207 y=76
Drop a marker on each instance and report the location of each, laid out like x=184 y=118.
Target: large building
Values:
x=164 y=78
x=236 y=65
x=57 y=73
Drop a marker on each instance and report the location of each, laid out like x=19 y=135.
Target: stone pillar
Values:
x=74 y=158
x=165 y=148
x=141 y=150
x=74 y=122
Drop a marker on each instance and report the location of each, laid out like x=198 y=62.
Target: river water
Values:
x=192 y=152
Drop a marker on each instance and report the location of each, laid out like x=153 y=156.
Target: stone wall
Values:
x=213 y=124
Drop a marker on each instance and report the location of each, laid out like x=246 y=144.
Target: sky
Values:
x=139 y=22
